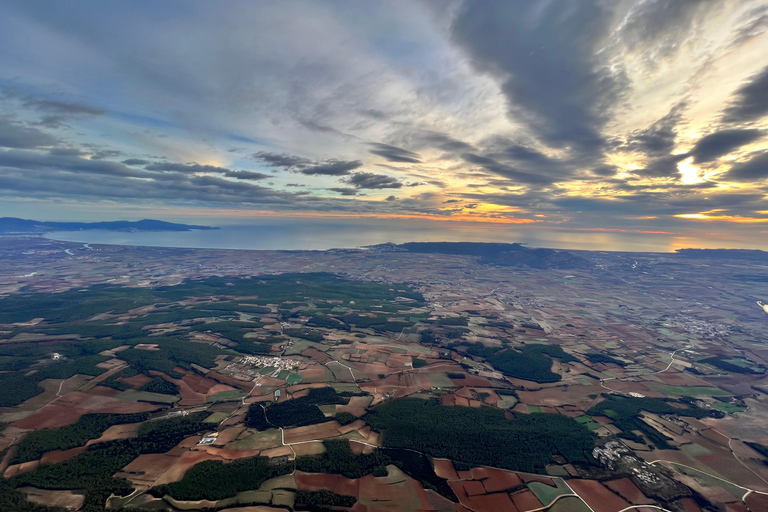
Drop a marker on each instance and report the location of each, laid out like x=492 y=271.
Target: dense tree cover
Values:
x=379 y=323
x=160 y=385
x=12 y=500
x=481 y=436
x=172 y=352
x=89 y=426
x=93 y=469
x=721 y=363
x=759 y=448
x=216 y=480
x=77 y=357
x=531 y=362
x=340 y=460
x=321 y=500
x=418 y=363
x=453 y=320
x=625 y=413
x=428 y=337
x=597 y=357
x=345 y=418
x=419 y=467
x=295 y=412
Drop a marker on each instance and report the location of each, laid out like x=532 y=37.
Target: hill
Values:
x=15 y=225
x=511 y=255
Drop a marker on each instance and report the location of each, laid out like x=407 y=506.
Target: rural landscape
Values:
x=445 y=377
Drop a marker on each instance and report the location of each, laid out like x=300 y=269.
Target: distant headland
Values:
x=10 y=225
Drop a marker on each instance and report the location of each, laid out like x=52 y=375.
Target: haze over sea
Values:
x=323 y=234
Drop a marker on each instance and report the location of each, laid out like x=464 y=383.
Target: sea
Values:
x=313 y=234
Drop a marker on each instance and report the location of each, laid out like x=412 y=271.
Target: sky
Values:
x=607 y=116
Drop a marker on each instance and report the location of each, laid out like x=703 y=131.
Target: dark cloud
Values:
x=332 y=168
x=546 y=55
x=750 y=101
x=185 y=168
x=452 y=201
x=659 y=138
x=247 y=175
x=713 y=146
x=135 y=161
x=345 y=191
x=329 y=167
x=391 y=198
x=443 y=142
x=394 y=154
x=281 y=160
x=369 y=180
x=755 y=169
x=507 y=171
x=605 y=170
x=56 y=112
x=15 y=135
x=106 y=153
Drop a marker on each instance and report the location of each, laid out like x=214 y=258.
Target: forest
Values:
x=89 y=426
x=296 y=412
x=481 y=436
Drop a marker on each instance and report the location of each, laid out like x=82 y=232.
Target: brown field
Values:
x=18 y=469
x=597 y=496
x=473 y=488
x=495 y=480
x=492 y=503
x=225 y=454
x=528 y=478
x=575 y=395
x=629 y=491
x=114 y=432
x=312 y=432
x=182 y=464
x=246 y=386
x=137 y=380
x=147 y=468
x=444 y=469
x=472 y=380
x=56 y=456
x=280 y=451
x=315 y=448
x=315 y=354
x=525 y=500
x=228 y=435
x=333 y=483
x=51 y=416
x=66 y=499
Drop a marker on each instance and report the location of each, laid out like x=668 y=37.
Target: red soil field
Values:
x=57 y=456
x=449 y=400
x=114 y=432
x=736 y=507
x=629 y=491
x=492 y=503
x=334 y=483
x=690 y=505
x=227 y=436
x=226 y=379
x=225 y=454
x=597 y=496
x=525 y=500
x=51 y=416
x=121 y=407
x=444 y=469
x=473 y=488
x=757 y=502
x=458 y=489
x=103 y=391
x=137 y=380
x=495 y=480
x=462 y=401
x=527 y=478
x=313 y=373
x=153 y=465
x=315 y=354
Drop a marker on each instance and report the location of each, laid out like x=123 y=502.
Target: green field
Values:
x=728 y=408
x=216 y=417
x=534 y=408
x=546 y=493
x=294 y=378
x=225 y=395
